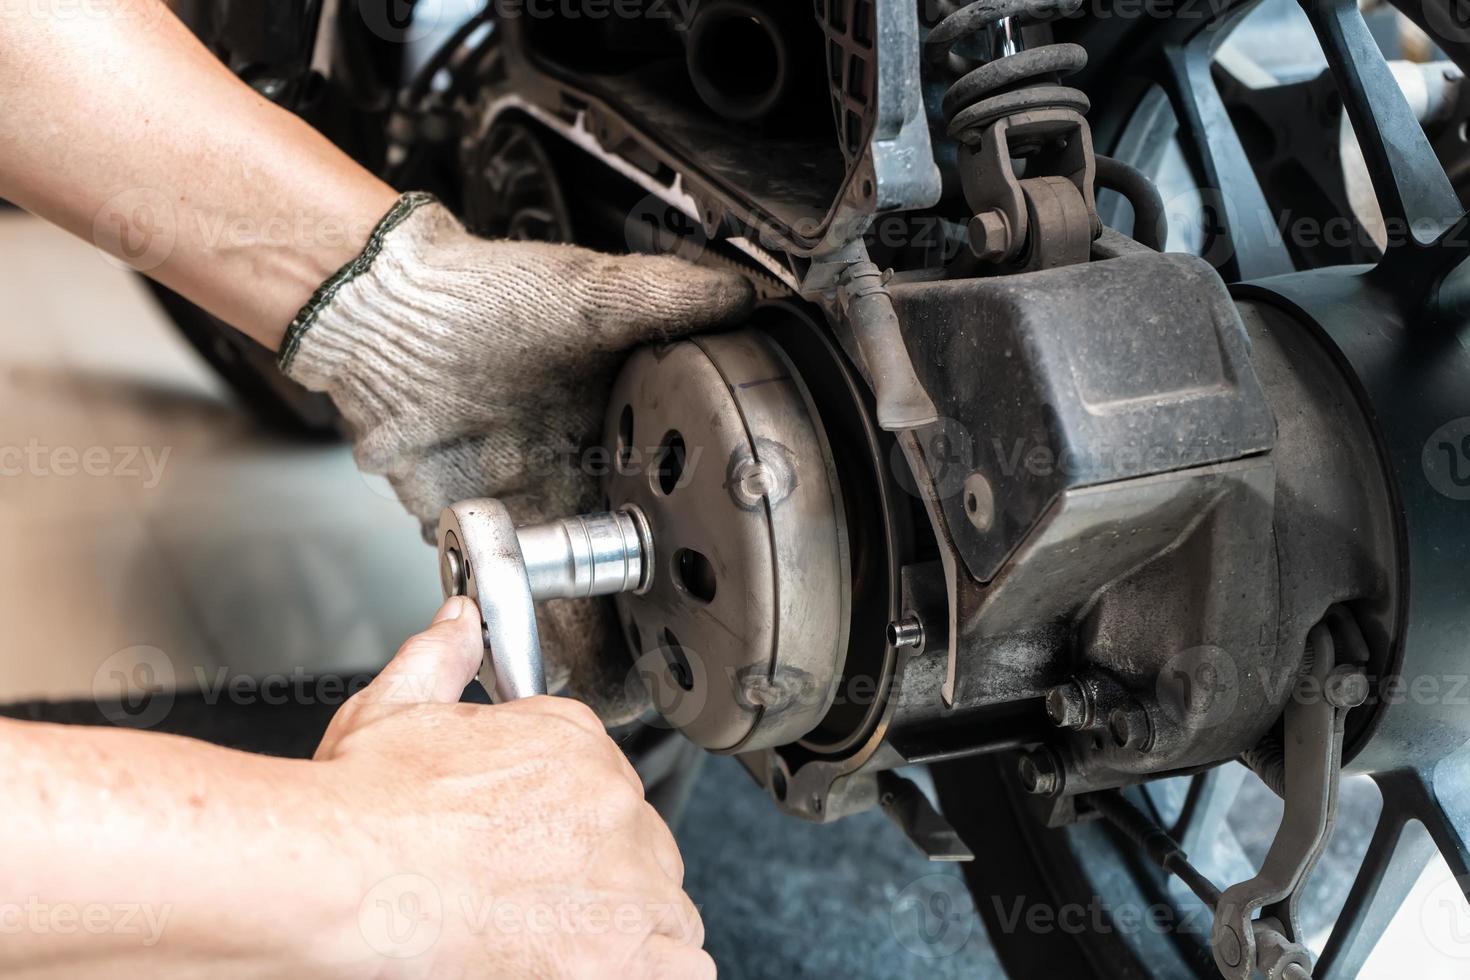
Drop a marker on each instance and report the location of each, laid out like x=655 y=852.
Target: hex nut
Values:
x=1038 y=772
x=990 y=236
x=1345 y=687
x=1068 y=705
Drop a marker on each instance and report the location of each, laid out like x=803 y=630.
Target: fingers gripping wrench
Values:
x=506 y=570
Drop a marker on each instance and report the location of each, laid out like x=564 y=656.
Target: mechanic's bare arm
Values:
x=465 y=367
x=511 y=841
x=113 y=105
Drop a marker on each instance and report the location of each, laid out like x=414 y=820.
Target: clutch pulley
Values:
x=742 y=624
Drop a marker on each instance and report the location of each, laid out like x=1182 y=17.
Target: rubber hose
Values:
x=1150 y=225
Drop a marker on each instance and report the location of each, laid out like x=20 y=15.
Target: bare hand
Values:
x=507 y=841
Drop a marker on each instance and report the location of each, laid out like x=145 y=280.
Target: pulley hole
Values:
x=676 y=660
x=778 y=784
x=624 y=448
x=695 y=574
x=668 y=466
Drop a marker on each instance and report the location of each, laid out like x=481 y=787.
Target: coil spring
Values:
x=1011 y=83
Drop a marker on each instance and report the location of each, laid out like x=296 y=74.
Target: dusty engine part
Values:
x=1013 y=106
x=743 y=626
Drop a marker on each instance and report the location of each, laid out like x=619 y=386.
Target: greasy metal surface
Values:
x=751 y=661
x=1130 y=569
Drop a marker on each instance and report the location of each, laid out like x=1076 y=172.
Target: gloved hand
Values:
x=474 y=368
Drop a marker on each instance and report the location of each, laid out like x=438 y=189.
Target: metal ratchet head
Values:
x=480 y=557
x=506 y=570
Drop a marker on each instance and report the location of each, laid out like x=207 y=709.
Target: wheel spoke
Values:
x=1424 y=812
x=1415 y=195
x=1419 y=277
x=1398 y=853
x=1245 y=241
x=1441 y=797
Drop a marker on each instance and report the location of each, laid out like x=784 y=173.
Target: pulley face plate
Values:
x=743 y=626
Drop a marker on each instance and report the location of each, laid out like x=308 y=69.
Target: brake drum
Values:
x=741 y=630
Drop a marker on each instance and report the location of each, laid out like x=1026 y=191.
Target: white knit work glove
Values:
x=474 y=368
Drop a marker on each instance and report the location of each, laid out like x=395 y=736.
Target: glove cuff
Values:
x=307 y=318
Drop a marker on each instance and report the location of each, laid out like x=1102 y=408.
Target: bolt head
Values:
x=1345 y=687
x=990 y=236
x=1066 y=704
x=1121 y=727
x=1227 y=946
x=1130 y=728
x=1038 y=772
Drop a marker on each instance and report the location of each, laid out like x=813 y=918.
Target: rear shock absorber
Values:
x=1014 y=107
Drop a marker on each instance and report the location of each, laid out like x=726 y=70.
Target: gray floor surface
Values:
x=784 y=898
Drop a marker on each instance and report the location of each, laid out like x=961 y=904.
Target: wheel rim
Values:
x=1425 y=810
